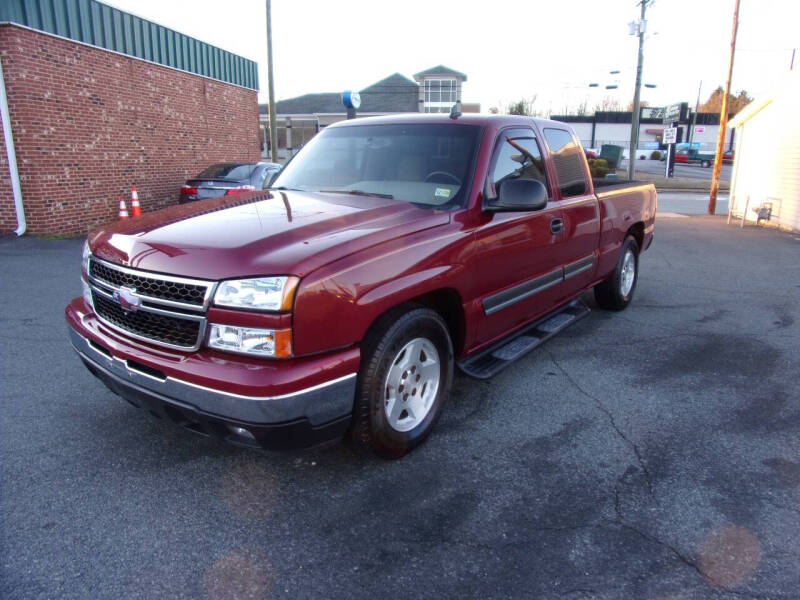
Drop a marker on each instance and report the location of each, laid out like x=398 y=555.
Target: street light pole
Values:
x=641 y=26
x=694 y=116
x=273 y=128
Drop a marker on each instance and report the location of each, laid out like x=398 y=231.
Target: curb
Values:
x=692 y=190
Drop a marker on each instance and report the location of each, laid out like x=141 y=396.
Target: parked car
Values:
x=389 y=251
x=681 y=156
x=695 y=157
x=228 y=178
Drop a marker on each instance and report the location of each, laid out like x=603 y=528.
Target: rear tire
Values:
x=616 y=292
x=705 y=164
x=404 y=380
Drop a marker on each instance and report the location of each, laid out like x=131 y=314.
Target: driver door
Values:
x=518 y=254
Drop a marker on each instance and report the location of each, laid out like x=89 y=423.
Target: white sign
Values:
x=670 y=135
x=672 y=113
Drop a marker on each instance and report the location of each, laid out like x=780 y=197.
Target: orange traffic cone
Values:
x=123 y=210
x=136 y=209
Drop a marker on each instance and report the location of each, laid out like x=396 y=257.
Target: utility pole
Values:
x=723 y=120
x=641 y=26
x=694 y=116
x=273 y=130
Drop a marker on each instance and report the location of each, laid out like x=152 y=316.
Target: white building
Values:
x=766 y=170
x=614 y=128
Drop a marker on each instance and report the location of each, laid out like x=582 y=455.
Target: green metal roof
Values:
x=104 y=26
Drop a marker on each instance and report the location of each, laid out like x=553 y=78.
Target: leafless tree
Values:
x=608 y=104
x=523 y=106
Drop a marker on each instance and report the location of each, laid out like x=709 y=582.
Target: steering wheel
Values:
x=455 y=179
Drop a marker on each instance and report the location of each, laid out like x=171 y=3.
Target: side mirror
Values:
x=270 y=178
x=517 y=195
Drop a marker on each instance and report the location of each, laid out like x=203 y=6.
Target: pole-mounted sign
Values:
x=351 y=101
x=676 y=113
x=669 y=137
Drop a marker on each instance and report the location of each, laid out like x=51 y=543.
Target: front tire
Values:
x=404 y=380
x=616 y=292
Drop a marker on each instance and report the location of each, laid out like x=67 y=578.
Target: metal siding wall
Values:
x=60 y=18
x=108 y=27
x=15 y=11
x=47 y=15
x=74 y=20
x=138 y=47
x=147 y=43
x=92 y=22
x=155 y=46
x=118 y=38
x=98 y=37
x=86 y=23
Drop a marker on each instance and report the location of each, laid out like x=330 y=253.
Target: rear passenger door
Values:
x=580 y=209
x=517 y=260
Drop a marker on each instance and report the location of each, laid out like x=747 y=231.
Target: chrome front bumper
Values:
x=318 y=405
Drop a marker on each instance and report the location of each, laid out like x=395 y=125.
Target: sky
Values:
x=509 y=49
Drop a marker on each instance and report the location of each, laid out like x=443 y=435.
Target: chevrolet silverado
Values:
x=389 y=252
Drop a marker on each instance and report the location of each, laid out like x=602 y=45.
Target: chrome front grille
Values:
x=156 y=328
x=176 y=289
x=170 y=311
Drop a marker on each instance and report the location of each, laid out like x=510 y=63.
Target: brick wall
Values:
x=89 y=123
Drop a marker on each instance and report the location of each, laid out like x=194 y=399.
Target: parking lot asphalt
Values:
x=648 y=454
x=691 y=203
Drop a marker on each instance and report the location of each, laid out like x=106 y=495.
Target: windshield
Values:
x=428 y=164
x=229 y=171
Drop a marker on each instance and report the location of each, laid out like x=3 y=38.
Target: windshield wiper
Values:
x=357 y=193
x=283 y=188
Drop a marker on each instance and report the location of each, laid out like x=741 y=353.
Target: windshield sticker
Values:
x=442 y=193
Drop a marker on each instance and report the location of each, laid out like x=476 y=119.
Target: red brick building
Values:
x=89 y=122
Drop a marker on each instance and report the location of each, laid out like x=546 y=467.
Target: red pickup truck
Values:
x=388 y=252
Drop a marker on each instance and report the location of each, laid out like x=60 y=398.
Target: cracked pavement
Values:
x=650 y=454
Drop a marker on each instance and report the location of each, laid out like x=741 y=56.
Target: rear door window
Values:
x=568 y=160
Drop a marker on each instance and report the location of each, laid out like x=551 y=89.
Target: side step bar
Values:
x=497 y=357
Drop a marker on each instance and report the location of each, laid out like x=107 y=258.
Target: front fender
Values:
x=336 y=305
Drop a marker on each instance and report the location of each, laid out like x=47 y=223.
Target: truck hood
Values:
x=276 y=233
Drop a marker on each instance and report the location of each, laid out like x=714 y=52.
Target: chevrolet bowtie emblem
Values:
x=127 y=298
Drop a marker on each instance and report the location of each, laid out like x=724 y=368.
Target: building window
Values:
x=440 y=94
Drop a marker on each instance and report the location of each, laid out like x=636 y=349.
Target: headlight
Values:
x=249 y=340
x=85 y=257
x=263 y=293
